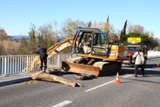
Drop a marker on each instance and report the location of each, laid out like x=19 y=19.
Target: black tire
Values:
x=83 y=76
x=91 y=61
x=81 y=60
x=63 y=71
x=50 y=71
x=80 y=77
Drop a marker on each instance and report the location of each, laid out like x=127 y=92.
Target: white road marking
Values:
x=129 y=68
x=109 y=82
x=126 y=76
x=62 y=103
x=98 y=86
x=104 y=84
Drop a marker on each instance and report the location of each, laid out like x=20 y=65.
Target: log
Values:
x=53 y=78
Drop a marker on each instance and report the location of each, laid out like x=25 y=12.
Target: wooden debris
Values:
x=53 y=78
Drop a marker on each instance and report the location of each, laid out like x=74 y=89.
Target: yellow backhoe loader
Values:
x=98 y=57
x=92 y=51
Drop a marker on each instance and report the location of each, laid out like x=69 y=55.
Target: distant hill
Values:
x=16 y=37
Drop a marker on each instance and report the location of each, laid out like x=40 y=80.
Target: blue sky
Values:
x=16 y=16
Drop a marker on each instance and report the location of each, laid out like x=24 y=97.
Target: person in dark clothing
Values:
x=139 y=61
x=43 y=57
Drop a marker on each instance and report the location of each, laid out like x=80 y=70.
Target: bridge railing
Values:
x=14 y=64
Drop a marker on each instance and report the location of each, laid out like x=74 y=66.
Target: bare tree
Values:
x=69 y=27
x=46 y=35
x=56 y=32
x=11 y=47
x=136 y=29
x=1 y=49
x=32 y=39
x=89 y=24
x=104 y=26
x=3 y=34
x=107 y=28
x=23 y=48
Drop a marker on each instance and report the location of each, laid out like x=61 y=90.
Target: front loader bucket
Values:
x=80 y=68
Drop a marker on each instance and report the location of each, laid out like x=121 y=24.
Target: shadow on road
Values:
x=150 y=69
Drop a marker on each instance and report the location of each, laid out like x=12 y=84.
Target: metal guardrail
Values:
x=14 y=64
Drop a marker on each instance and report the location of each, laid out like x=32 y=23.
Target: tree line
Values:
x=51 y=33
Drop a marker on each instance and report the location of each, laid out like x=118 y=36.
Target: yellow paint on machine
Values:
x=116 y=53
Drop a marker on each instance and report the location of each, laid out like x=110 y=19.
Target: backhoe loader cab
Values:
x=90 y=41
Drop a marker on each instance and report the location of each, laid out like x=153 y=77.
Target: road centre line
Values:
x=62 y=103
x=127 y=76
x=99 y=86
x=104 y=84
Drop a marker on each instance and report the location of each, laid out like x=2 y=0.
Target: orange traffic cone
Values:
x=157 y=64
x=117 y=81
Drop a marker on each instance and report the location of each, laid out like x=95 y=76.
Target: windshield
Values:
x=100 y=39
x=132 y=48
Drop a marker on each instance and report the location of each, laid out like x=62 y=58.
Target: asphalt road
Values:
x=97 y=92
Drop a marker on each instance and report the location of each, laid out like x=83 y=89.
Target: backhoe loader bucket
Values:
x=80 y=68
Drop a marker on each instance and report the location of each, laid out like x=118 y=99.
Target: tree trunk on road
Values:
x=53 y=78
